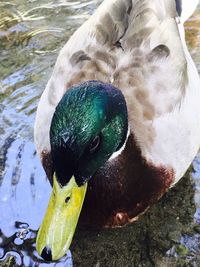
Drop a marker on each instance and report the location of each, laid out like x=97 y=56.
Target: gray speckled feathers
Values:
x=118 y=37
x=136 y=46
x=139 y=47
x=124 y=43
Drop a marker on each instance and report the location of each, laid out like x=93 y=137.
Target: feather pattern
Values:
x=139 y=47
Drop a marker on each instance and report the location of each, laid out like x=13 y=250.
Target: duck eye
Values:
x=94 y=144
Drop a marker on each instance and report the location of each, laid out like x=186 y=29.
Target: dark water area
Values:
x=31 y=35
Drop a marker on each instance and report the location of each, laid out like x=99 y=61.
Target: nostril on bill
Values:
x=46 y=254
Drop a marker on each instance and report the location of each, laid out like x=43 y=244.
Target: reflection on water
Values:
x=31 y=35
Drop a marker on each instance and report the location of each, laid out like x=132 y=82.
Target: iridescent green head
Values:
x=90 y=123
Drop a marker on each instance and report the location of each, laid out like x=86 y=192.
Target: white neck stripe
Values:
x=118 y=152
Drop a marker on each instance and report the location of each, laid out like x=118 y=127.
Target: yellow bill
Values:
x=59 y=224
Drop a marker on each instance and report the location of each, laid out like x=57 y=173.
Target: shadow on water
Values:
x=31 y=34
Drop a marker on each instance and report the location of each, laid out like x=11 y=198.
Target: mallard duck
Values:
x=120 y=118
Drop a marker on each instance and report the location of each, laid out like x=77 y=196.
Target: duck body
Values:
x=138 y=47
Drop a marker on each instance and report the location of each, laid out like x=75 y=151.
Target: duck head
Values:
x=90 y=123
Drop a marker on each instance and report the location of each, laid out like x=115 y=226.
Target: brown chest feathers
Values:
x=122 y=189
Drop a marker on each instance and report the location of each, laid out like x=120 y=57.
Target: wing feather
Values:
x=124 y=43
